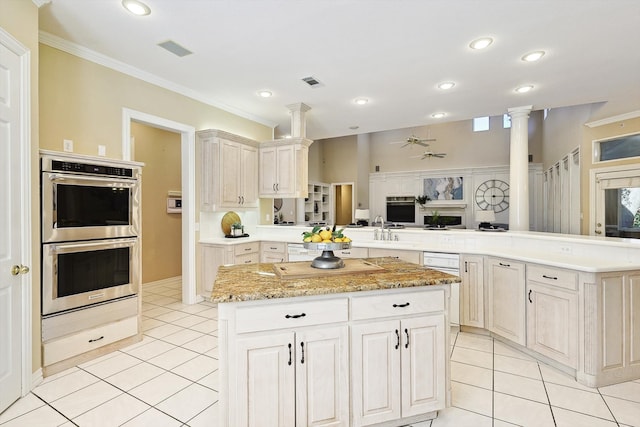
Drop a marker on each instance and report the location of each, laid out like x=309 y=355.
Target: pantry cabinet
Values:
x=227 y=170
x=506 y=299
x=284 y=168
x=472 y=291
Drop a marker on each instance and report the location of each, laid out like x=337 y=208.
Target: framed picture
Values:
x=449 y=188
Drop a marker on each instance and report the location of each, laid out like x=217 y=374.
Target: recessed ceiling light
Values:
x=524 y=89
x=438 y=115
x=136 y=7
x=361 y=101
x=533 y=56
x=446 y=85
x=265 y=93
x=481 y=43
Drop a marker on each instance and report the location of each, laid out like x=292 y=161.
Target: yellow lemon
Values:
x=346 y=240
x=307 y=239
x=326 y=241
x=325 y=235
x=316 y=238
x=338 y=240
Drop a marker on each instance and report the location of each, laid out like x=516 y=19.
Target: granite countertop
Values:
x=251 y=282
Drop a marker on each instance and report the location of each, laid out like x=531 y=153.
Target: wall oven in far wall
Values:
x=401 y=209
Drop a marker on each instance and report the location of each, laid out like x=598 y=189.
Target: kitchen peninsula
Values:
x=336 y=349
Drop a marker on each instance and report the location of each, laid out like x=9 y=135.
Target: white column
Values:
x=298 y=121
x=519 y=169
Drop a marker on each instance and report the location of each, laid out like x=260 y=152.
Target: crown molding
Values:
x=106 y=61
x=41 y=3
x=614 y=119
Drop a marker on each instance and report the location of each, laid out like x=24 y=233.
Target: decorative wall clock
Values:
x=493 y=194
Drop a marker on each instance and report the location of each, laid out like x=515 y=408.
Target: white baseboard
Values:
x=36 y=378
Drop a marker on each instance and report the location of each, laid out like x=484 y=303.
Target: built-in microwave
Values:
x=83 y=201
x=401 y=209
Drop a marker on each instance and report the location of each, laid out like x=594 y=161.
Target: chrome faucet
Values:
x=375 y=232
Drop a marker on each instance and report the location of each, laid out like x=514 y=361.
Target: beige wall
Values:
x=20 y=19
x=83 y=101
x=159 y=150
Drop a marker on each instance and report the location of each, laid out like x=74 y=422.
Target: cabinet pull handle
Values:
x=289 y=354
x=302 y=347
x=346 y=253
x=243 y=200
x=272 y=248
x=530 y=290
x=97 y=339
x=397 y=339
x=549 y=277
x=247 y=249
x=274 y=187
x=406 y=331
x=465 y=267
x=295 y=316
x=239 y=200
x=504 y=265
x=406 y=304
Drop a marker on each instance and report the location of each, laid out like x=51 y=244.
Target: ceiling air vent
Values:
x=175 y=48
x=312 y=81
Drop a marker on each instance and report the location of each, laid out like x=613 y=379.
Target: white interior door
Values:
x=12 y=277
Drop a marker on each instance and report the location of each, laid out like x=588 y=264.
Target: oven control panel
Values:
x=85 y=168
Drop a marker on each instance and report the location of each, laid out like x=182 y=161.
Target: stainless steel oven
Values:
x=77 y=274
x=88 y=200
x=401 y=209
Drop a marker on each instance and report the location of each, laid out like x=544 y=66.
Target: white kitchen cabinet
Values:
x=552 y=313
x=405 y=255
x=212 y=256
x=273 y=252
x=317 y=206
x=286 y=370
x=397 y=366
x=284 y=168
x=506 y=299
x=227 y=168
x=352 y=252
x=472 y=291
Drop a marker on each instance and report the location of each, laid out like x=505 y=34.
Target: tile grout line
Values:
x=544 y=385
x=608 y=408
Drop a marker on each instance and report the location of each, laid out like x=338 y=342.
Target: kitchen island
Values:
x=333 y=349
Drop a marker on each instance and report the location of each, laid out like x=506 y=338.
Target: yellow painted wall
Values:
x=161 y=234
x=20 y=19
x=83 y=101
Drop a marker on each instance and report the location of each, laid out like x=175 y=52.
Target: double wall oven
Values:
x=90 y=231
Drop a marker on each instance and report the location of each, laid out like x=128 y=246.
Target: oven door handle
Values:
x=59 y=177
x=97 y=243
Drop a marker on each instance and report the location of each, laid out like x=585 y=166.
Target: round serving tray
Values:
x=327 y=260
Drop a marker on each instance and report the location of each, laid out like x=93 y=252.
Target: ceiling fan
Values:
x=414 y=140
x=430 y=154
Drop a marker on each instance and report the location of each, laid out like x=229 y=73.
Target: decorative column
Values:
x=519 y=169
x=298 y=121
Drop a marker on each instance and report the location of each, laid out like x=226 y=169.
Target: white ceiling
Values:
x=393 y=52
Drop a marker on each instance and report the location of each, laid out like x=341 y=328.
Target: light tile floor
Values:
x=170 y=379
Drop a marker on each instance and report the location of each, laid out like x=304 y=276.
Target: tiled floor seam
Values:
x=608 y=408
x=546 y=393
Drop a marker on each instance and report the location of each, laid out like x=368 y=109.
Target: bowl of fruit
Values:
x=327 y=240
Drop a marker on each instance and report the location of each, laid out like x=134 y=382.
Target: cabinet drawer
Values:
x=353 y=253
x=248 y=258
x=274 y=247
x=246 y=248
x=553 y=276
x=87 y=340
x=291 y=314
x=374 y=306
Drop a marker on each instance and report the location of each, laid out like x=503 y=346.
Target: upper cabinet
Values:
x=284 y=168
x=228 y=170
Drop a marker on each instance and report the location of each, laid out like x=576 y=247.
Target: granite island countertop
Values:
x=251 y=282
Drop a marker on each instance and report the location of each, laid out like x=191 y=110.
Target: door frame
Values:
x=613 y=171
x=27 y=281
x=187 y=149
x=334 y=198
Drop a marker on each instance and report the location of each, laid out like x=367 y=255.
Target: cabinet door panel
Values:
x=423 y=365
x=266 y=381
x=286 y=164
x=249 y=190
x=230 y=174
x=268 y=171
x=472 y=292
x=506 y=284
x=552 y=323
x=375 y=372
x=322 y=386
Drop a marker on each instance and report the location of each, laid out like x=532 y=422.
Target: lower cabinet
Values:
x=275 y=252
x=472 y=291
x=552 y=313
x=294 y=378
x=402 y=254
x=397 y=369
x=347 y=360
x=212 y=256
x=506 y=299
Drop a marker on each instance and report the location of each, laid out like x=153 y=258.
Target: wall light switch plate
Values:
x=102 y=150
x=67 y=145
